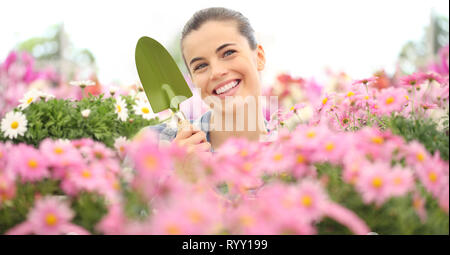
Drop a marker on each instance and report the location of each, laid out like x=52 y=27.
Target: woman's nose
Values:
x=217 y=70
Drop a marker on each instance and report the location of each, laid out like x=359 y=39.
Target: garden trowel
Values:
x=161 y=78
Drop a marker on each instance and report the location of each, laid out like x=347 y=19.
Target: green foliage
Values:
x=89 y=209
x=424 y=131
x=58 y=118
x=395 y=217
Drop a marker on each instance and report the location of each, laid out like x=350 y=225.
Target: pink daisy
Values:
x=415 y=80
x=391 y=100
x=60 y=155
x=366 y=81
x=374 y=183
x=7 y=186
x=49 y=216
x=310 y=199
x=402 y=181
x=28 y=163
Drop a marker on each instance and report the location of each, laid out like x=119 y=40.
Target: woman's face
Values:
x=221 y=61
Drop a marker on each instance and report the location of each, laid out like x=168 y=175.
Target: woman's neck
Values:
x=246 y=125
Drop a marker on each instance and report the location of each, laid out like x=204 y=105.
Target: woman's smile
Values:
x=227 y=88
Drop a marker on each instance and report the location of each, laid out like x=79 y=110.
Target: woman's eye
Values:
x=199 y=66
x=228 y=52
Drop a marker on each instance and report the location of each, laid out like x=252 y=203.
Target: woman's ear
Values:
x=260 y=57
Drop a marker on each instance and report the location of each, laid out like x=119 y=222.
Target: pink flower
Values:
x=196 y=216
x=433 y=176
x=391 y=100
x=444 y=198
x=310 y=199
x=430 y=77
x=120 y=144
x=90 y=177
x=419 y=206
x=28 y=163
x=97 y=152
x=402 y=181
x=416 y=154
x=49 y=216
x=149 y=160
x=7 y=186
x=366 y=81
x=276 y=159
x=375 y=184
x=60 y=155
x=415 y=80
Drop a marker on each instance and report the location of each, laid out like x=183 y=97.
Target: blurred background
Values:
x=306 y=42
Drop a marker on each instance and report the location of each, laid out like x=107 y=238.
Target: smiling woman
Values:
x=224 y=61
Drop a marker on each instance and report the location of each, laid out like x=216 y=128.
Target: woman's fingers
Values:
x=196 y=138
x=203 y=147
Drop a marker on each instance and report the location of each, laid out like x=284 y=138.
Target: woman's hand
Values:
x=195 y=143
x=193 y=140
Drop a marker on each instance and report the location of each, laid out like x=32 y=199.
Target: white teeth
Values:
x=227 y=87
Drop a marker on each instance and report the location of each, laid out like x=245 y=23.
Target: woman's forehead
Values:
x=210 y=36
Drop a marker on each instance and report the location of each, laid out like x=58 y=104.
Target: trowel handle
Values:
x=182 y=122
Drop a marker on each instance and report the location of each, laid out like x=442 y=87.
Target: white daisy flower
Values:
x=85 y=113
x=82 y=84
x=144 y=109
x=121 y=109
x=29 y=97
x=141 y=97
x=14 y=124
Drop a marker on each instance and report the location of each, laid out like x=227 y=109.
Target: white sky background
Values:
x=299 y=37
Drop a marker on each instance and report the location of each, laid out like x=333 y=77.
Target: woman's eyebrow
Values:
x=217 y=50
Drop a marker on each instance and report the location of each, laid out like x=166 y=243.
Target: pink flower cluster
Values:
x=17 y=72
x=80 y=165
x=362 y=104
x=188 y=201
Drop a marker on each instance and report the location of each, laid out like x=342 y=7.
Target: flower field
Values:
x=371 y=157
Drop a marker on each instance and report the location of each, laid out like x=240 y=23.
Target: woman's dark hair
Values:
x=220 y=14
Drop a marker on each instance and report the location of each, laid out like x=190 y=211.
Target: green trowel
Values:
x=161 y=78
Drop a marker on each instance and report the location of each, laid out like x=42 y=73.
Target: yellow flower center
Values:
x=377 y=182
x=247 y=166
x=432 y=176
x=300 y=159
x=119 y=109
x=306 y=201
x=1 y=154
x=377 y=140
x=32 y=163
x=244 y=153
x=350 y=94
x=292 y=108
x=150 y=162
x=29 y=100
x=420 y=157
x=51 y=219
x=325 y=100
x=122 y=149
x=173 y=229
x=329 y=146
x=376 y=106
x=389 y=100
x=145 y=110
x=58 y=150
x=407 y=97
x=311 y=134
x=14 y=125
x=86 y=174
x=195 y=217
x=366 y=97
x=247 y=220
x=398 y=181
x=278 y=157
